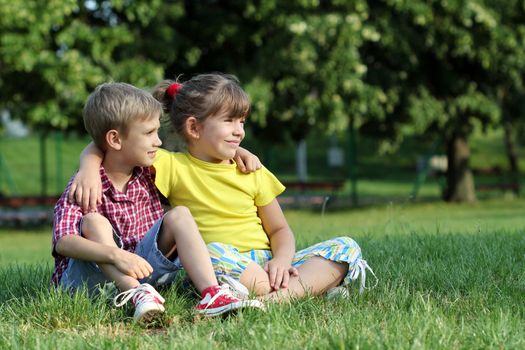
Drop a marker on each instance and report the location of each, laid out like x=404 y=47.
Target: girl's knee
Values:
x=177 y=216
x=180 y=211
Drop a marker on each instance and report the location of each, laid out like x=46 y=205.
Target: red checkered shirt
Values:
x=131 y=214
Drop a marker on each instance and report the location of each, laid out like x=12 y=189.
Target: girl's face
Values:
x=218 y=138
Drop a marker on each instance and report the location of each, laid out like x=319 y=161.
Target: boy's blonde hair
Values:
x=113 y=106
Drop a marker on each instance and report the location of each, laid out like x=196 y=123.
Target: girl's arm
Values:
x=86 y=189
x=282 y=243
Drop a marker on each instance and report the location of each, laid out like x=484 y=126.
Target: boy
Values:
x=128 y=240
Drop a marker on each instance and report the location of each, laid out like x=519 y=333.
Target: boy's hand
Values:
x=86 y=190
x=133 y=265
x=279 y=273
x=247 y=161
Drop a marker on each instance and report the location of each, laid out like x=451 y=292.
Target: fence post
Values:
x=352 y=154
x=43 y=164
x=58 y=152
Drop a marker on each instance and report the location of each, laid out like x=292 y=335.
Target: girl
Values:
x=250 y=242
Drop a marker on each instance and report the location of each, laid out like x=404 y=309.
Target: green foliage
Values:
x=54 y=53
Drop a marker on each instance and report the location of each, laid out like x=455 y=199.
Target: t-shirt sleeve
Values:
x=269 y=187
x=164 y=172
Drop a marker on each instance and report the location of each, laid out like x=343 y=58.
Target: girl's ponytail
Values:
x=162 y=94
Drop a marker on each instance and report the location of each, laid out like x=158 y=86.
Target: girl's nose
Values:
x=158 y=141
x=239 y=127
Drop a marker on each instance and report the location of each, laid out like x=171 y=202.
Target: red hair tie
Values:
x=172 y=90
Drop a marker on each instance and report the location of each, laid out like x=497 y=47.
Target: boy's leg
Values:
x=179 y=236
x=147 y=301
x=97 y=228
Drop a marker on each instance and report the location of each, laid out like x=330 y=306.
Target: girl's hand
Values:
x=279 y=273
x=86 y=190
x=247 y=162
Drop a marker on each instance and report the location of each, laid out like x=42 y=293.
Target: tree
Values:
x=53 y=53
x=438 y=61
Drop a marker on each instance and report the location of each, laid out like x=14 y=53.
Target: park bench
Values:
x=504 y=183
x=26 y=210
x=307 y=194
x=304 y=186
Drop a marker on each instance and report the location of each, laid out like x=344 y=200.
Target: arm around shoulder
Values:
x=86 y=188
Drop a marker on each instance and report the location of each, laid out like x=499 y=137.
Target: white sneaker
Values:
x=237 y=288
x=337 y=293
x=149 y=304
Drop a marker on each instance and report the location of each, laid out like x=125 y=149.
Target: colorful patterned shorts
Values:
x=227 y=260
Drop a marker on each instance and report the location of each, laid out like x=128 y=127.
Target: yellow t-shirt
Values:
x=222 y=200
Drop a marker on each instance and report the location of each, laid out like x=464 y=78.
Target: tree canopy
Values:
x=393 y=67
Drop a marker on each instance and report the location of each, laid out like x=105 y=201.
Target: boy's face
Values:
x=142 y=141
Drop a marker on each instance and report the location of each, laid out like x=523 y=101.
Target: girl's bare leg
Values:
x=316 y=276
x=180 y=235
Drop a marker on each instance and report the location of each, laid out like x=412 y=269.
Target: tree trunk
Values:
x=460 y=182
x=512 y=155
x=300 y=161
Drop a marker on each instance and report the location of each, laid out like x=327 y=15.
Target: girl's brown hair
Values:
x=202 y=96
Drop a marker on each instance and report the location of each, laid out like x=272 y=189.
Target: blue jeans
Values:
x=86 y=273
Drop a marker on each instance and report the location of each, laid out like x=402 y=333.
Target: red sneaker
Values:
x=218 y=300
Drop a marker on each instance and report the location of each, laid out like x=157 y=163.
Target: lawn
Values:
x=450 y=276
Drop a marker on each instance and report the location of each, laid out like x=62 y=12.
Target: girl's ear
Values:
x=192 y=128
x=113 y=140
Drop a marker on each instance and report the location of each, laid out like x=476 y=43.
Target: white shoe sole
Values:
x=256 y=304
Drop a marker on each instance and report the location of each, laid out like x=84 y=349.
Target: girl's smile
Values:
x=217 y=138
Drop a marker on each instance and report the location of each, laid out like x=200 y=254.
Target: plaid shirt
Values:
x=131 y=214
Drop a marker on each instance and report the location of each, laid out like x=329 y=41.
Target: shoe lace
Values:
x=139 y=294
x=360 y=270
x=225 y=292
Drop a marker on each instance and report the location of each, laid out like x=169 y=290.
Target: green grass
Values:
x=450 y=276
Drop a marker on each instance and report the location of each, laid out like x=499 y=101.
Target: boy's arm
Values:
x=246 y=160
x=80 y=248
x=282 y=243
x=86 y=189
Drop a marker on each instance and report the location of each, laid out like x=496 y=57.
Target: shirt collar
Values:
x=106 y=183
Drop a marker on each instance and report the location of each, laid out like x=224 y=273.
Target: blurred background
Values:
x=354 y=102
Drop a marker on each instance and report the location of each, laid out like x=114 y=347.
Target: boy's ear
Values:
x=113 y=140
x=192 y=128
